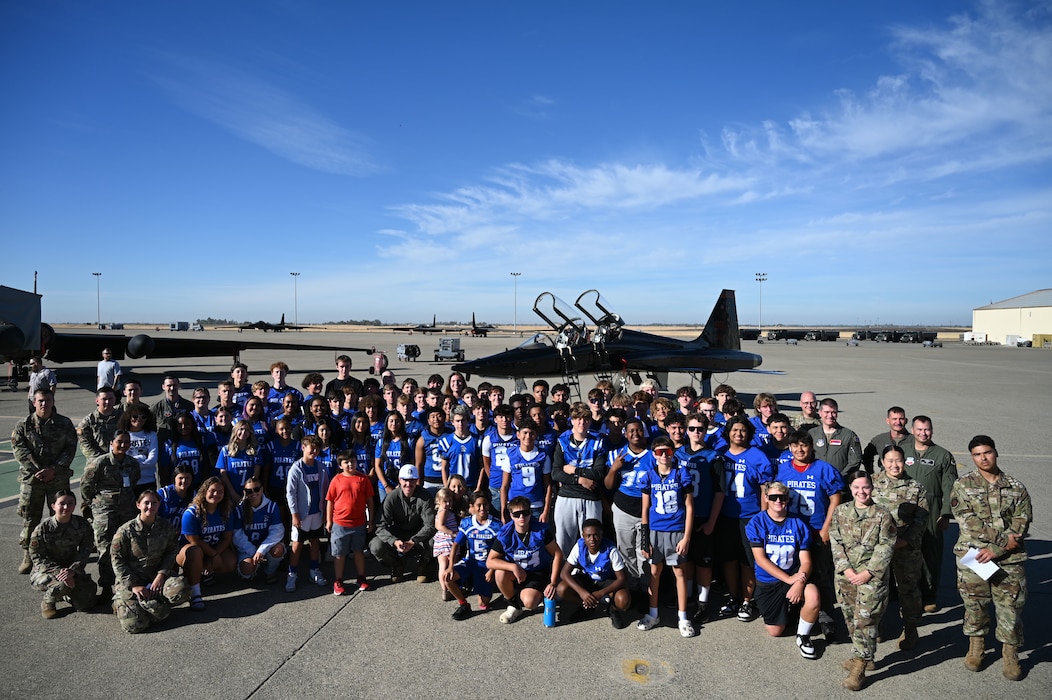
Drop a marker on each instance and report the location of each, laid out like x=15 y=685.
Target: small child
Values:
x=305 y=491
x=446 y=529
x=459 y=486
x=474 y=537
x=349 y=516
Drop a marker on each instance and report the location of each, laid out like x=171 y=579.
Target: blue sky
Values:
x=881 y=162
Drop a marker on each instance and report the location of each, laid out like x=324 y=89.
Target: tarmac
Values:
x=399 y=641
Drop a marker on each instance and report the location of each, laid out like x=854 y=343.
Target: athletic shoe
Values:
x=647 y=622
x=828 y=630
x=364 y=585
x=397 y=571
x=747 y=611
x=806 y=646
x=208 y=580
x=338 y=589
x=686 y=629
x=702 y=613
x=728 y=609
x=290 y=583
x=619 y=619
x=510 y=615
x=462 y=612
x=318 y=578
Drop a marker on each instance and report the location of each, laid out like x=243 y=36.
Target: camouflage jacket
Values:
x=907 y=501
x=139 y=551
x=56 y=546
x=96 y=433
x=987 y=513
x=863 y=540
x=109 y=483
x=39 y=444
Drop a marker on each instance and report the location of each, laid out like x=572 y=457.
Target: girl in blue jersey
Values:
x=207 y=538
x=258 y=539
x=190 y=448
x=256 y=415
x=239 y=459
x=392 y=451
x=329 y=450
x=222 y=429
x=360 y=442
x=177 y=496
x=279 y=456
x=373 y=408
x=628 y=464
x=428 y=450
x=668 y=519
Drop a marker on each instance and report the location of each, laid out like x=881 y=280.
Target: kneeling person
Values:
x=59 y=549
x=594 y=573
x=525 y=560
x=783 y=564
x=259 y=539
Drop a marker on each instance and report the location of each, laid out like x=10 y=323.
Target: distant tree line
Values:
x=354 y=322
x=215 y=321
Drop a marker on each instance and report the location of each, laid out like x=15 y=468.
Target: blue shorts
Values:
x=473 y=574
x=346 y=540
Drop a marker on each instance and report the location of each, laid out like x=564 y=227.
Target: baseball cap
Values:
x=408 y=471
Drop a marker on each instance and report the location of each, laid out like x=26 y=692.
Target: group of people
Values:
x=583 y=503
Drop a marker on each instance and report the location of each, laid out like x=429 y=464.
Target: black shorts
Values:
x=729 y=541
x=774 y=607
x=588 y=583
x=749 y=558
x=702 y=550
x=537 y=580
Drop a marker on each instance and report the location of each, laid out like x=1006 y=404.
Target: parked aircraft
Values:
x=480 y=331
x=422 y=328
x=610 y=350
x=266 y=326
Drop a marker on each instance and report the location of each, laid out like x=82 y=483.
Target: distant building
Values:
x=1019 y=318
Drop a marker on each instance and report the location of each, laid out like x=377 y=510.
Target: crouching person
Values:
x=594 y=575
x=143 y=553
x=259 y=539
x=59 y=549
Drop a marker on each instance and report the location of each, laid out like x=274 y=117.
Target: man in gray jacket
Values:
x=406 y=528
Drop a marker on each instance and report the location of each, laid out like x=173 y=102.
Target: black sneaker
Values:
x=702 y=613
x=619 y=619
x=806 y=646
x=828 y=631
x=462 y=612
x=729 y=609
x=747 y=611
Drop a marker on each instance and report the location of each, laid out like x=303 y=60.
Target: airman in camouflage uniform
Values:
x=44 y=443
x=97 y=429
x=907 y=501
x=862 y=535
x=60 y=547
x=994 y=512
x=108 y=485
x=143 y=553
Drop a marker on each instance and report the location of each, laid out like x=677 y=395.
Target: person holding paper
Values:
x=994 y=513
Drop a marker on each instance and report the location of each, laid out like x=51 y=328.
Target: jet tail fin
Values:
x=721 y=330
x=282 y=321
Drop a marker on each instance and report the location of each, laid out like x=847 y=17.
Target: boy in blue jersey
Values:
x=579 y=466
x=815 y=491
x=279 y=390
x=626 y=466
x=528 y=473
x=474 y=537
x=240 y=388
x=706 y=476
x=777 y=448
x=546 y=437
x=459 y=452
x=783 y=565
x=495 y=444
x=594 y=573
x=668 y=507
x=428 y=449
x=305 y=492
x=525 y=560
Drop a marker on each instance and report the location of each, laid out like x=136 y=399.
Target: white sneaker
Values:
x=686 y=629
x=510 y=615
x=290 y=583
x=317 y=577
x=648 y=622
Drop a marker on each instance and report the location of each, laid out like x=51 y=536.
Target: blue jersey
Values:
x=668 y=496
x=432 y=470
x=238 y=468
x=326 y=460
x=476 y=538
x=279 y=459
x=391 y=458
x=173 y=505
x=277 y=396
x=743 y=476
x=498 y=454
x=809 y=490
x=344 y=420
x=761 y=436
x=546 y=442
x=529 y=550
x=706 y=476
x=262 y=431
x=376 y=431
x=777 y=455
x=782 y=542
x=527 y=475
x=601 y=567
x=239 y=395
x=263 y=518
x=210 y=531
x=635 y=466
x=187 y=453
x=463 y=455
x=363 y=457
x=205 y=422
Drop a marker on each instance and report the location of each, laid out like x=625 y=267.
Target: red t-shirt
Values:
x=349 y=495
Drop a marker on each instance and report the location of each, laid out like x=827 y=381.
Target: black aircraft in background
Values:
x=422 y=327
x=480 y=331
x=611 y=351
x=266 y=326
x=22 y=336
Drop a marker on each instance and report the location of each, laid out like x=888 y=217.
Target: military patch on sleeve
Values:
x=953 y=502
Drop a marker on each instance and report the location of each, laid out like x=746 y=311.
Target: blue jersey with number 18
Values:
x=668 y=495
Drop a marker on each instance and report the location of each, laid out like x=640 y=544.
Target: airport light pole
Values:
x=295 y=297
x=98 y=298
x=515 y=309
x=761 y=277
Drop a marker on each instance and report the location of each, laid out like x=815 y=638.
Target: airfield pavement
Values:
x=399 y=641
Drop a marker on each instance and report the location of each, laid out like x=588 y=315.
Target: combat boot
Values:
x=909 y=637
x=857 y=676
x=1011 y=662
x=27 y=563
x=49 y=612
x=974 y=660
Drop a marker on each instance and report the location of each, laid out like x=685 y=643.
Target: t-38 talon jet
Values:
x=609 y=350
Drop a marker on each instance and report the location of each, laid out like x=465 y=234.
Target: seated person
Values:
x=594 y=573
x=525 y=560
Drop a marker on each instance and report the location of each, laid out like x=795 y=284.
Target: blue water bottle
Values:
x=549 y=612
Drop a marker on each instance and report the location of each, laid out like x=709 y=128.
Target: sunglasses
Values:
x=779 y=497
x=663 y=452
x=519 y=513
x=695 y=429
x=255 y=490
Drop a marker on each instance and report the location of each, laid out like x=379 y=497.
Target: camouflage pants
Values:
x=1007 y=590
x=907 y=565
x=863 y=606
x=32 y=500
x=105 y=522
x=135 y=615
x=81 y=596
